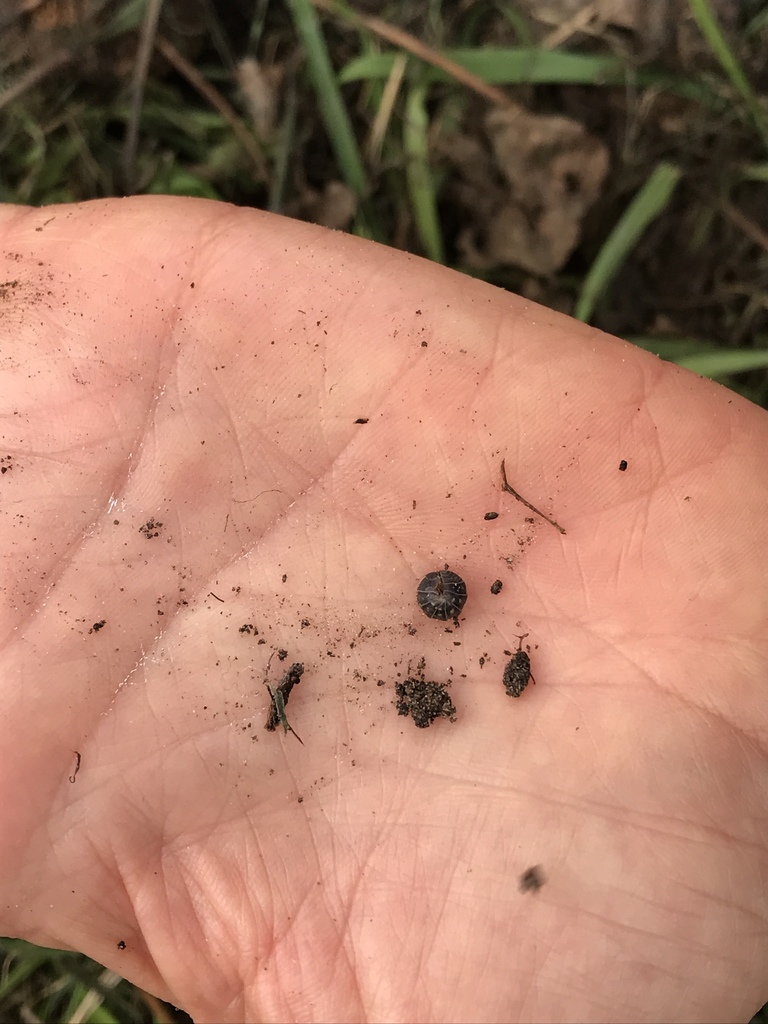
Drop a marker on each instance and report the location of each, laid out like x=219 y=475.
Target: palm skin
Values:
x=189 y=370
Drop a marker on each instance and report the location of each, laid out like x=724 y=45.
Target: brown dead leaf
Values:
x=334 y=207
x=258 y=86
x=549 y=171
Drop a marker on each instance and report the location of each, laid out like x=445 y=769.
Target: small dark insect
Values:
x=491 y=515
x=518 y=671
x=496 y=587
x=362 y=419
x=622 y=465
x=531 y=879
x=121 y=944
x=442 y=595
x=280 y=695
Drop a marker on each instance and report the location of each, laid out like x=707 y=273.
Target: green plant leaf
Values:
x=646 y=206
x=419 y=177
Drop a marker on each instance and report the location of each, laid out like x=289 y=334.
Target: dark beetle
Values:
x=442 y=595
x=518 y=671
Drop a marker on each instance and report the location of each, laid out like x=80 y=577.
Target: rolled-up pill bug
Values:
x=442 y=594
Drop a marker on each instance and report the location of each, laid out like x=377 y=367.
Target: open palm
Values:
x=233 y=442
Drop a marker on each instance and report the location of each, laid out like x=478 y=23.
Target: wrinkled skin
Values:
x=201 y=368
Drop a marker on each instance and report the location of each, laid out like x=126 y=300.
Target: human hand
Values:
x=181 y=385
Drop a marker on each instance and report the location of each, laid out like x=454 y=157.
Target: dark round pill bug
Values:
x=442 y=594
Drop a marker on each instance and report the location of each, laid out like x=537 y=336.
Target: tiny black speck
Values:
x=121 y=944
x=496 y=587
x=491 y=515
x=622 y=465
x=441 y=595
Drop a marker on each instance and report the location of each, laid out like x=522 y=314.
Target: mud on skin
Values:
x=424 y=701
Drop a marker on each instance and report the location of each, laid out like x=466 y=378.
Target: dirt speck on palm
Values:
x=531 y=880
x=424 y=701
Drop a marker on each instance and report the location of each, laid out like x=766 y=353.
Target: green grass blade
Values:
x=725 y=361
x=332 y=107
x=718 y=44
x=532 y=66
x=418 y=172
x=704 y=358
x=501 y=66
x=672 y=349
x=644 y=208
x=755 y=172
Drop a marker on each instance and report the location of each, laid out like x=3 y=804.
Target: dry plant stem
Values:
x=143 y=55
x=34 y=75
x=217 y=101
x=505 y=486
x=750 y=229
x=159 y=1013
x=578 y=23
x=408 y=42
x=387 y=105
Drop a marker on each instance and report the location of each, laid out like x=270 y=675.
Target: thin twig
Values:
x=138 y=85
x=578 y=23
x=387 y=105
x=505 y=486
x=217 y=101
x=735 y=216
x=398 y=37
x=34 y=75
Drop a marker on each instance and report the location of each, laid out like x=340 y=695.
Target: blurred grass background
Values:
x=608 y=159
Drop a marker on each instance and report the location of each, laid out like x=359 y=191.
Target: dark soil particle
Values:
x=532 y=879
x=622 y=465
x=151 y=528
x=491 y=515
x=97 y=626
x=424 y=702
